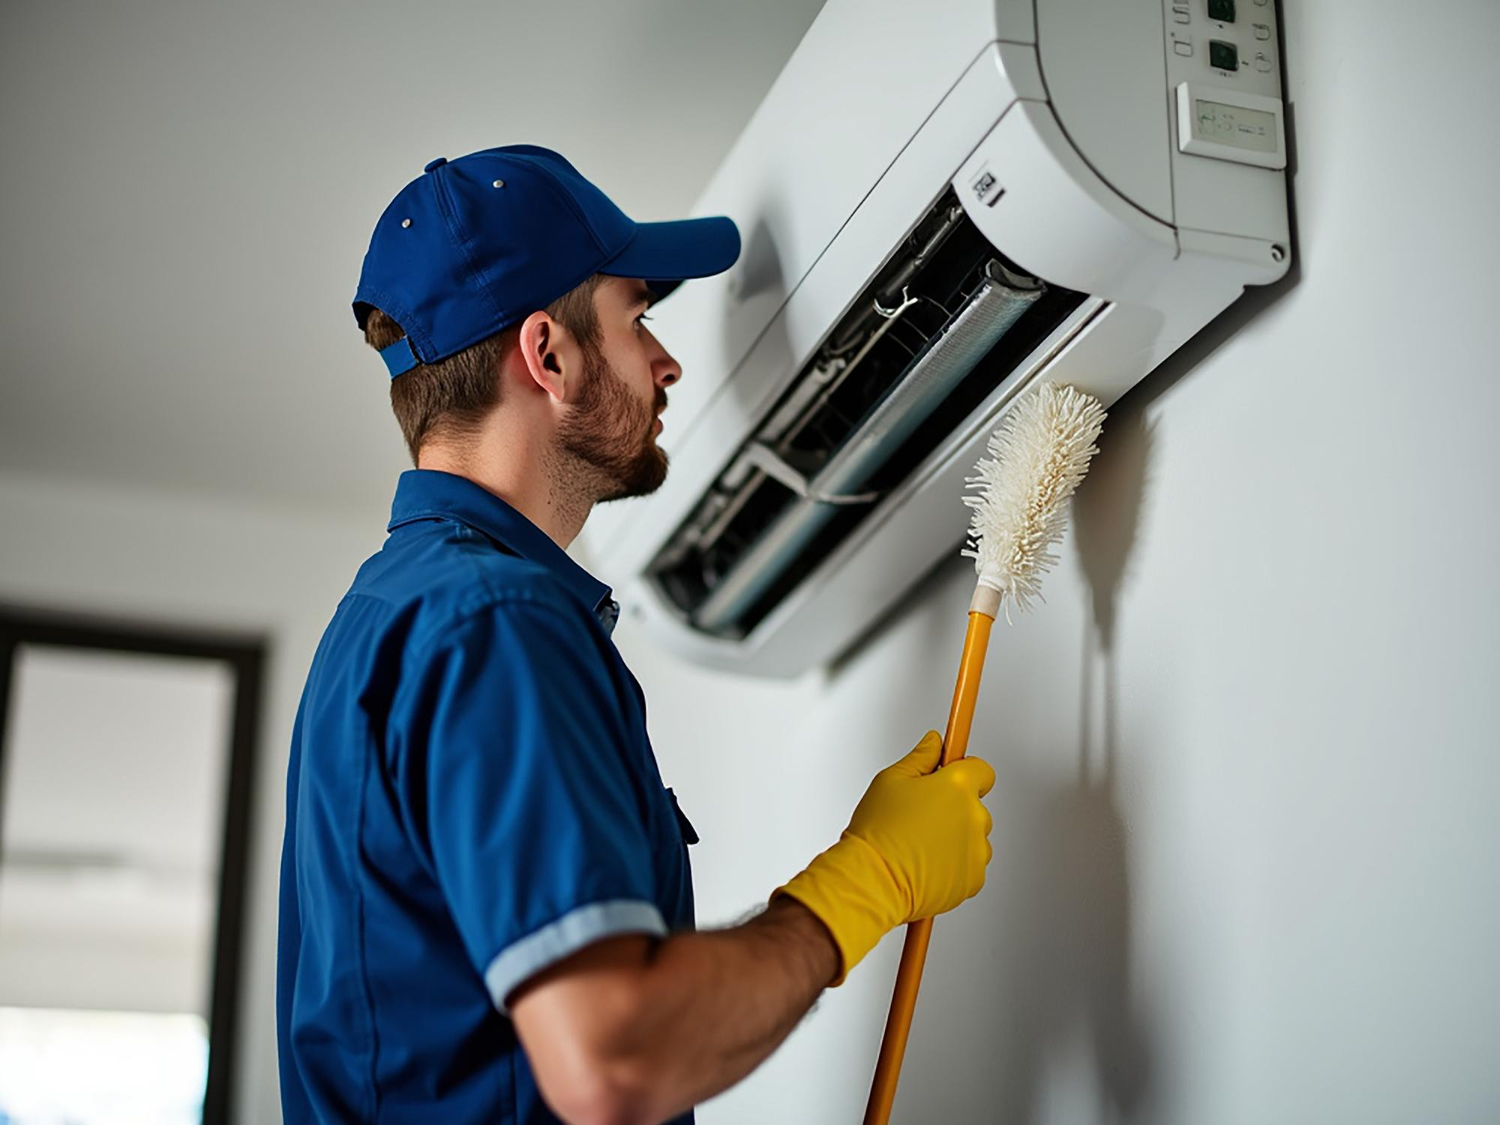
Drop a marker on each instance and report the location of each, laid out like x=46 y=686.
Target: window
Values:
x=124 y=785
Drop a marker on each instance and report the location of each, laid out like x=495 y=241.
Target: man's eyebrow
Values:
x=644 y=296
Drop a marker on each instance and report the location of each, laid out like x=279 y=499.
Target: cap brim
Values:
x=664 y=255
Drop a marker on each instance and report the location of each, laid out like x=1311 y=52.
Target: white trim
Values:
x=531 y=954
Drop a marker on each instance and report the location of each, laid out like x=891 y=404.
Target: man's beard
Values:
x=610 y=430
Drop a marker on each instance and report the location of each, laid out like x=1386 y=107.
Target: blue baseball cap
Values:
x=479 y=243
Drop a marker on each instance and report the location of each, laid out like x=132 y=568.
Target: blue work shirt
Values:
x=471 y=798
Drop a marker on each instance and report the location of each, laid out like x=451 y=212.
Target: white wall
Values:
x=1245 y=853
x=162 y=557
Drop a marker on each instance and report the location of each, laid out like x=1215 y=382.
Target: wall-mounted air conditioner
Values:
x=942 y=203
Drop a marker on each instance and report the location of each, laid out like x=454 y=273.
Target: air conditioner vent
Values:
x=938 y=329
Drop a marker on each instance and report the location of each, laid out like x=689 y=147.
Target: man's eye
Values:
x=642 y=317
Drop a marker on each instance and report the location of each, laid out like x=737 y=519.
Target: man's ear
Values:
x=551 y=356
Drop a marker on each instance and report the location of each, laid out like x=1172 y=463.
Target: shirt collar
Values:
x=432 y=494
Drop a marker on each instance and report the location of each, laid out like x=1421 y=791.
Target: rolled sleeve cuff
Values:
x=525 y=958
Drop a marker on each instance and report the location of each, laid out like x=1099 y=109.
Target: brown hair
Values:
x=451 y=398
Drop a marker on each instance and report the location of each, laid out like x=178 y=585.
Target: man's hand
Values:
x=916 y=846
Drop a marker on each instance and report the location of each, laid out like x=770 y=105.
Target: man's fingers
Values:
x=923 y=758
x=973 y=772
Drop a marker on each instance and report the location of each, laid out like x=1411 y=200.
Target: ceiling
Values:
x=189 y=188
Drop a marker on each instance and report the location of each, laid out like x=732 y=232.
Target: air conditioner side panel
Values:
x=1033 y=196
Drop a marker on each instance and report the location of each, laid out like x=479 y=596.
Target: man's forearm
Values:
x=717 y=1003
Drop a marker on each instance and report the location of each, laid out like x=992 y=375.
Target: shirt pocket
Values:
x=684 y=825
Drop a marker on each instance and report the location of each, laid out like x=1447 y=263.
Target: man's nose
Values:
x=664 y=369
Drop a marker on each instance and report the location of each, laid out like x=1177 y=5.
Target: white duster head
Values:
x=1020 y=491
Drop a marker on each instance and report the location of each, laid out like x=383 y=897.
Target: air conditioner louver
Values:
x=943 y=323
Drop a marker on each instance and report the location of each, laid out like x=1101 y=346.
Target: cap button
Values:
x=438 y=163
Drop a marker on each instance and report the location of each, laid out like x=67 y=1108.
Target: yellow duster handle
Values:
x=914 y=953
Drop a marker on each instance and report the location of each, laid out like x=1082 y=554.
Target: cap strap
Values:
x=399 y=358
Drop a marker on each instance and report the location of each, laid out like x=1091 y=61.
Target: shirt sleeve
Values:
x=512 y=768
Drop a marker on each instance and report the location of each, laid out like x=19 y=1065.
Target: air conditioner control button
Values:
x=1222 y=55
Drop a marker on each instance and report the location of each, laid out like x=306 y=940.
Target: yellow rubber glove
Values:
x=916 y=846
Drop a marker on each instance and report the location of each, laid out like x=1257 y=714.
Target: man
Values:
x=486 y=908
